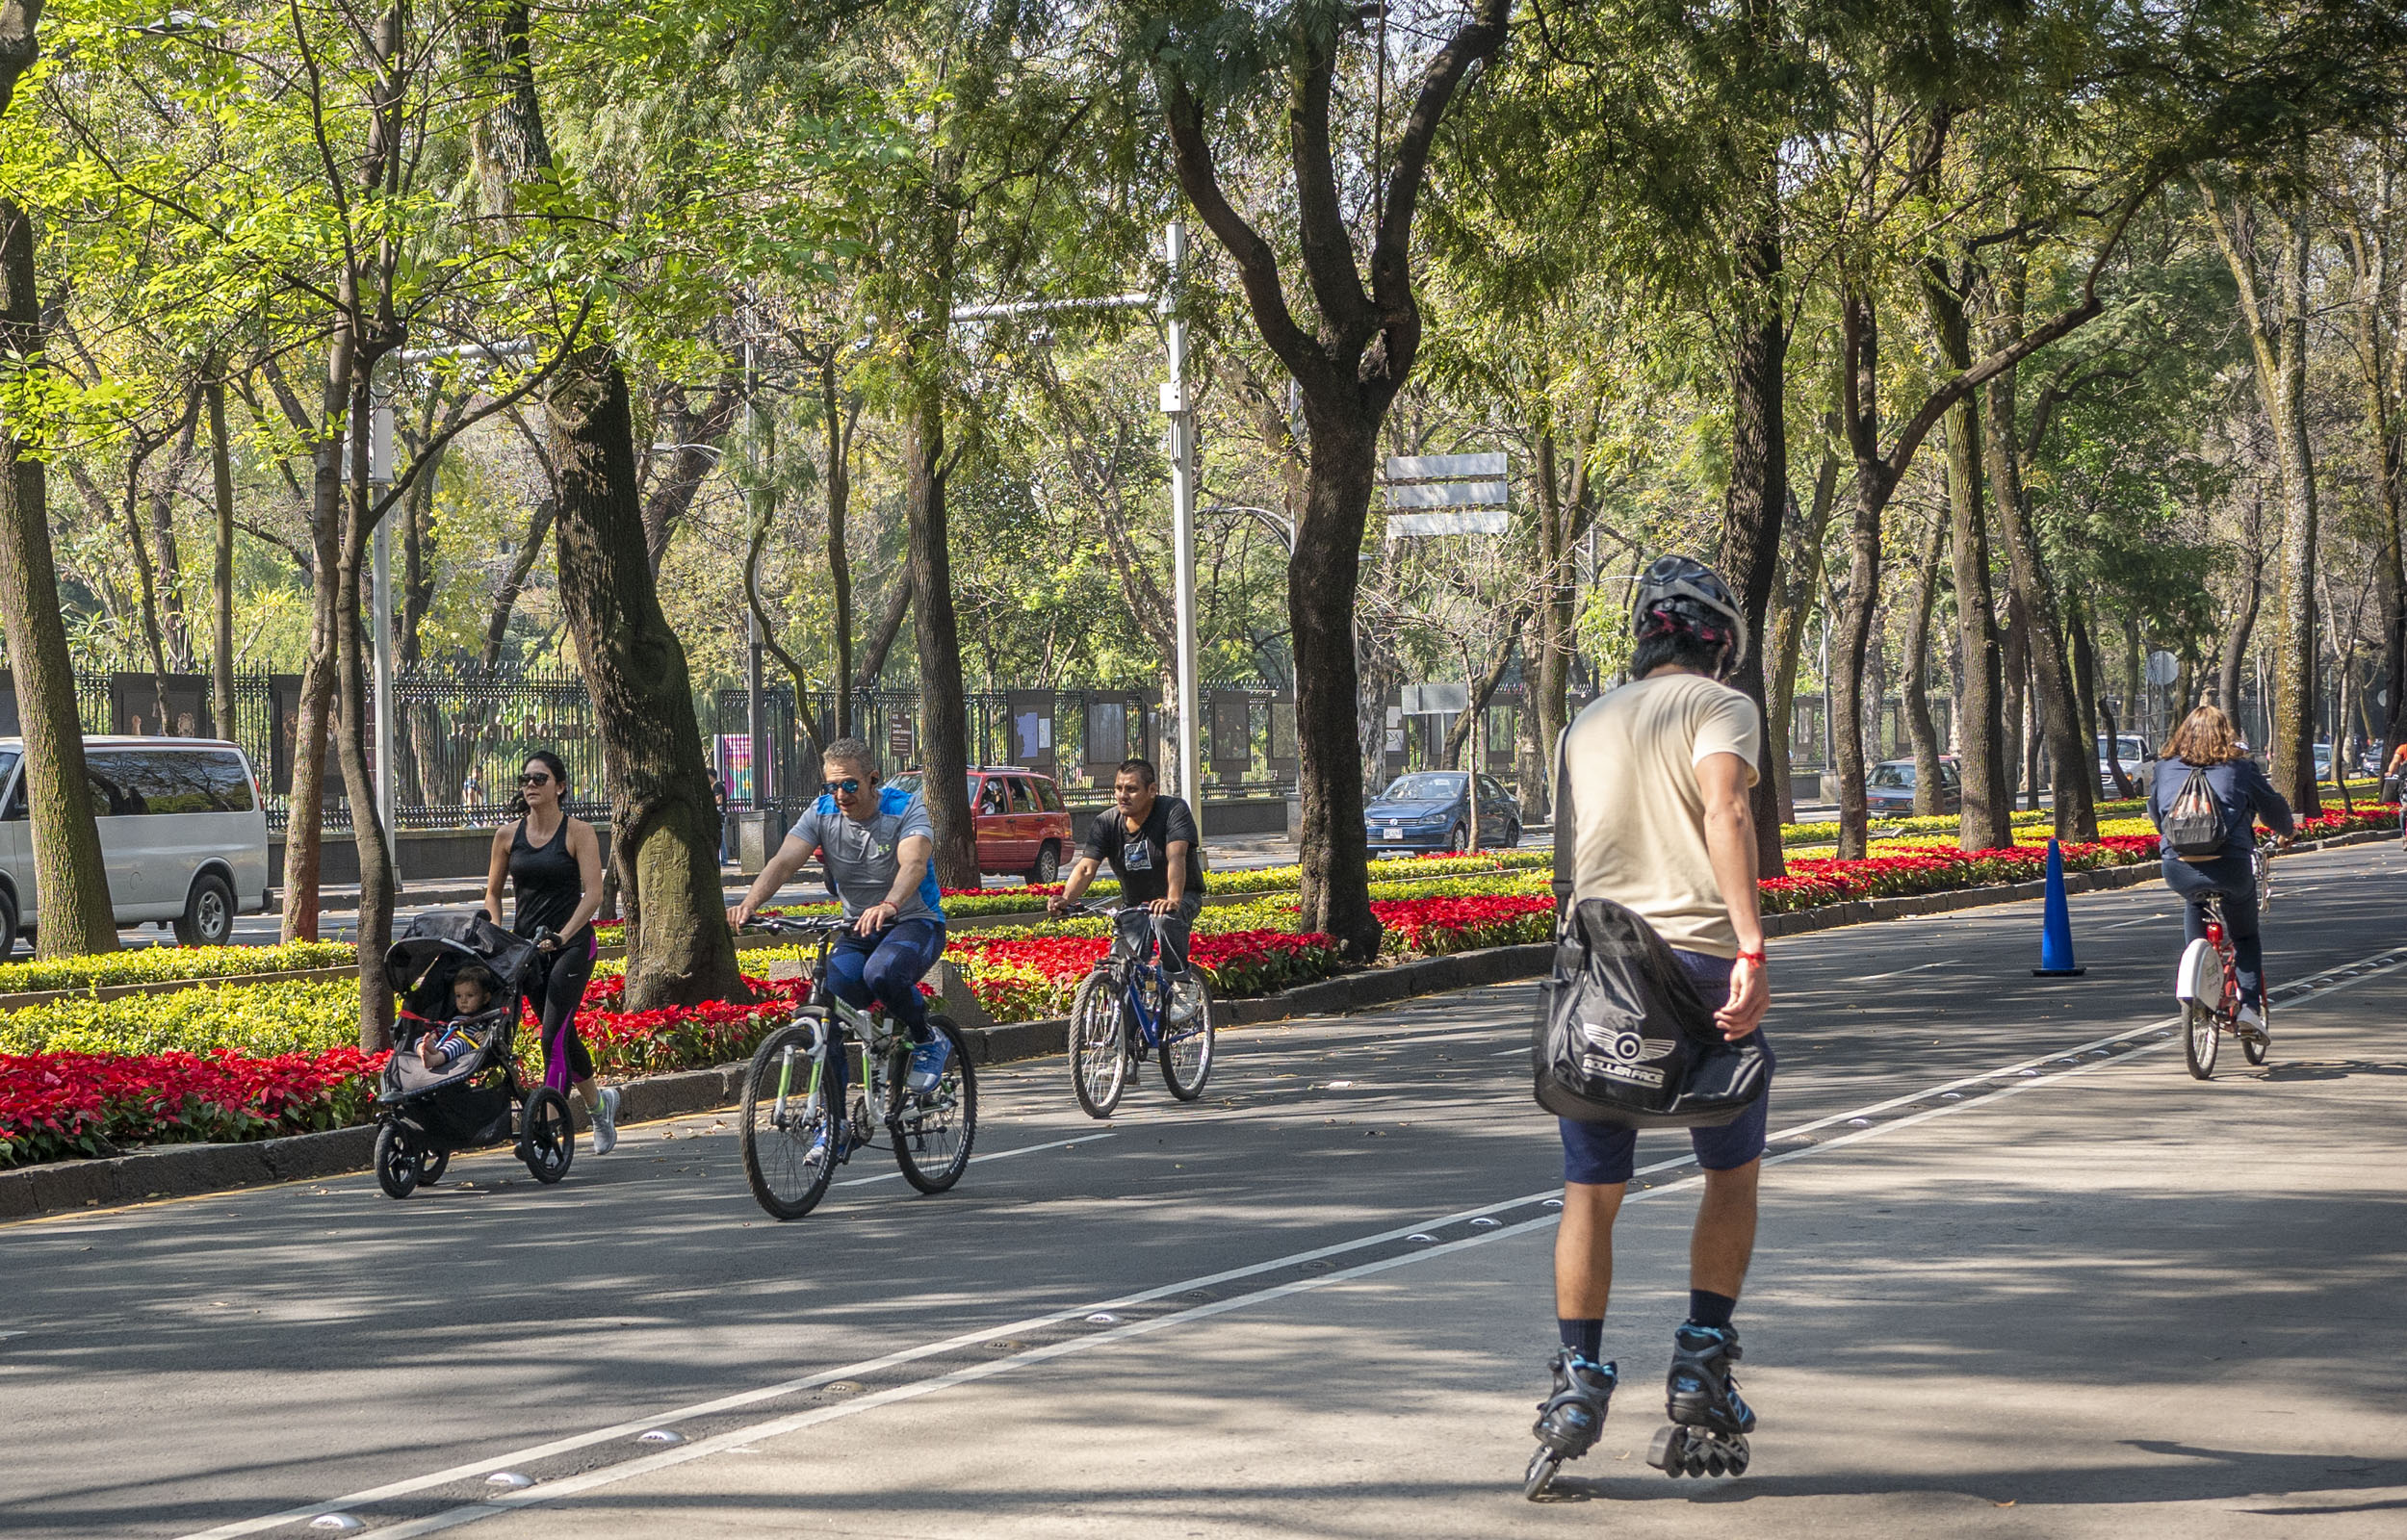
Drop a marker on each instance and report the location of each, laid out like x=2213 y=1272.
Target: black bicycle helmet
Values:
x=1682 y=594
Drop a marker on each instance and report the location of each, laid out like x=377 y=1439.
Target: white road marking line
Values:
x=608 y=1475
x=981 y=1160
x=1874 y=978
x=2329 y=980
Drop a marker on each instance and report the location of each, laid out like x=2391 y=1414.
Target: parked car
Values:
x=2135 y=751
x=1431 y=809
x=1023 y=827
x=183 y=832
x=1889 y=789
x=2323 y=762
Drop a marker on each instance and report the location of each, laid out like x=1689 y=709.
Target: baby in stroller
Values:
x=472 y=990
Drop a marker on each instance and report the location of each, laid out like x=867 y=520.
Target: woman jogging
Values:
x=555 y=864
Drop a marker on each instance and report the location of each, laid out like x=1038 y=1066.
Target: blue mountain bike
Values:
x=1128 y=1009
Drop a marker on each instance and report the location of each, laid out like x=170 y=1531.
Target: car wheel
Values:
x=1513 y=836
x=1047 y=865
x=1459 y=841
x=7 y=925
x=208 y=917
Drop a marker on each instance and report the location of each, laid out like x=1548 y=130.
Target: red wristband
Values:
x=1756 y=957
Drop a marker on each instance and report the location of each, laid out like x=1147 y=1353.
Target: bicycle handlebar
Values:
x=780 y=925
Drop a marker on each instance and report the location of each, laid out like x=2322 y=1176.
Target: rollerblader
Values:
x=1656 y=776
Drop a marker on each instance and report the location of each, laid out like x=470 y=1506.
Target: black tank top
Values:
x=546 y=882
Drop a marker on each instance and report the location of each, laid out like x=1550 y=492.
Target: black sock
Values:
x=1706 y=1308
x=1585 y=1338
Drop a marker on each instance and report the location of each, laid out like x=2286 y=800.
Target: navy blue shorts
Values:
x=1599 y=1155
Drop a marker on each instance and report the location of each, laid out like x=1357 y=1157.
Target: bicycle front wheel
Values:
x=1188 y=1036
x=1099 y=1049
x=786 y=1137
x=2201 y=1031
x=934 y=1129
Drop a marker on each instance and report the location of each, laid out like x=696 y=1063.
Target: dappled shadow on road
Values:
x=473 y=1320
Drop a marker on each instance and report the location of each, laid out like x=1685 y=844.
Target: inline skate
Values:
x=1709 y=1421
x=1568 y=1420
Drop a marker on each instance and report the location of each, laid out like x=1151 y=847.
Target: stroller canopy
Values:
x=438 y=943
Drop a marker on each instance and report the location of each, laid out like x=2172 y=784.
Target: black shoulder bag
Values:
x=1622 y=1037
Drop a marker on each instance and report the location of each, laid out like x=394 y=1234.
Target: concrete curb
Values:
x=182 y=1171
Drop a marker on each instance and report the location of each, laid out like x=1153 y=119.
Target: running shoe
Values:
x=927 y=1063
x=606 y=1122
x=2251 y=1020
x=1186 y=997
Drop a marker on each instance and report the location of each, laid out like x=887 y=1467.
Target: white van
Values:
x=182 y=827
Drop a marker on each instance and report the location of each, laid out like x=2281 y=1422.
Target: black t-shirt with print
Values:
x=1141 y=861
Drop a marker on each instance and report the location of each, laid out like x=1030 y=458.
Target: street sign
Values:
x=898 y=735
x=1435 y=700
x=2164 y=668
x=1464 y=494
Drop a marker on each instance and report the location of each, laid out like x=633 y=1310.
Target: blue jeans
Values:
x=2234 y=878
x=1598 y=1155
x=886 y=967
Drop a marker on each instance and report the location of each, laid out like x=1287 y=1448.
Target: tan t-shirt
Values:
x=1640 y=839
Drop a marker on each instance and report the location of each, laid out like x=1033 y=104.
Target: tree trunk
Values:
x=1335 y=892
x=1786 y=643
x=2377 y=284
x=2086 y=688
x=174 y=628
x=888 y=627
x=496 y=625
x=1987 y=822
x=222 y=570
x=305 y=822
x=377 y=886
x=1482 y=690
x=2275 y=313
x=1757 y=497
x=72 y=907
x=839 y=556
x=1924 y=733
x=664 y=825
x=2013 y=680
x=943 y=720
x=2073 y=771
x=1874 y=481
x=2243 y=611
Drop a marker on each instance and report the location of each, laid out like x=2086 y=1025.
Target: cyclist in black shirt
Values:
x=1151 y=843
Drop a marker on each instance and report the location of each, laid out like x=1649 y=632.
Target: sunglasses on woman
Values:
x=538 y=779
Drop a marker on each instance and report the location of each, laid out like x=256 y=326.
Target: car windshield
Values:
x=1428 y=787
x=1893 y=777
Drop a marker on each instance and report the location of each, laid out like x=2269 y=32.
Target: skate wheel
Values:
x=1542 y=1472
x=1739 y=1454
x=1669 y=1452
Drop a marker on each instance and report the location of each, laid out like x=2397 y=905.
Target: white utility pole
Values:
x=1182 y=414
x=1182 y=481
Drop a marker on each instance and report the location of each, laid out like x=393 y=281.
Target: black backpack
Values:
x=1622 y=1037
x=2193 y=821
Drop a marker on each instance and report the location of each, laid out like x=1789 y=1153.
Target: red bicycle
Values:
x=2208 y=987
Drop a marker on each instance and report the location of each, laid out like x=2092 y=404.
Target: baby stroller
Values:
x=476 y=1098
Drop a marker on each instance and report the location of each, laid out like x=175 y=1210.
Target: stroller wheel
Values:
x=431 y=1165
x=398 y=1159
x=547 y=1139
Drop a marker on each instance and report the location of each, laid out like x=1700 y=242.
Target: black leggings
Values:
x=557 y=989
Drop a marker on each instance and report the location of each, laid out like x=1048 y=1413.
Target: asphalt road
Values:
x=2049 y=1285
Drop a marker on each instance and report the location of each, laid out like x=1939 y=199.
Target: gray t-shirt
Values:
x=862 y=858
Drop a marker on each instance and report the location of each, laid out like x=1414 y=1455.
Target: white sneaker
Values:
x=2251 y=1019
x=606 y=1122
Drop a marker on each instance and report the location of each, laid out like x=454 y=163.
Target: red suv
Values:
x=1024 y=829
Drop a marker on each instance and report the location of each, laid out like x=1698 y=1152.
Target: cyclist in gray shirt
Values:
x=877 y=845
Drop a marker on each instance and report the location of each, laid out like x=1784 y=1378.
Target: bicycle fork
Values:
x=817 y=1056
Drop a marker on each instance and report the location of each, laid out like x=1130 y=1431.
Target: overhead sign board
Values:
x=1447 y=495
x=1435 y=700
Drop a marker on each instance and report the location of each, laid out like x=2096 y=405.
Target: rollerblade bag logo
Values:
x=1618 y=1053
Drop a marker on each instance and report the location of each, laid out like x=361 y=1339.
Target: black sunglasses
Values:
x=538 y=779
x=848 y=785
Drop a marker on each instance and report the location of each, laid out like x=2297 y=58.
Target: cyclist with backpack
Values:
x=2206 y=801
x=1652 y=816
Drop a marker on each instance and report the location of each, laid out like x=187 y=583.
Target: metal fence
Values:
x=462 y=733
